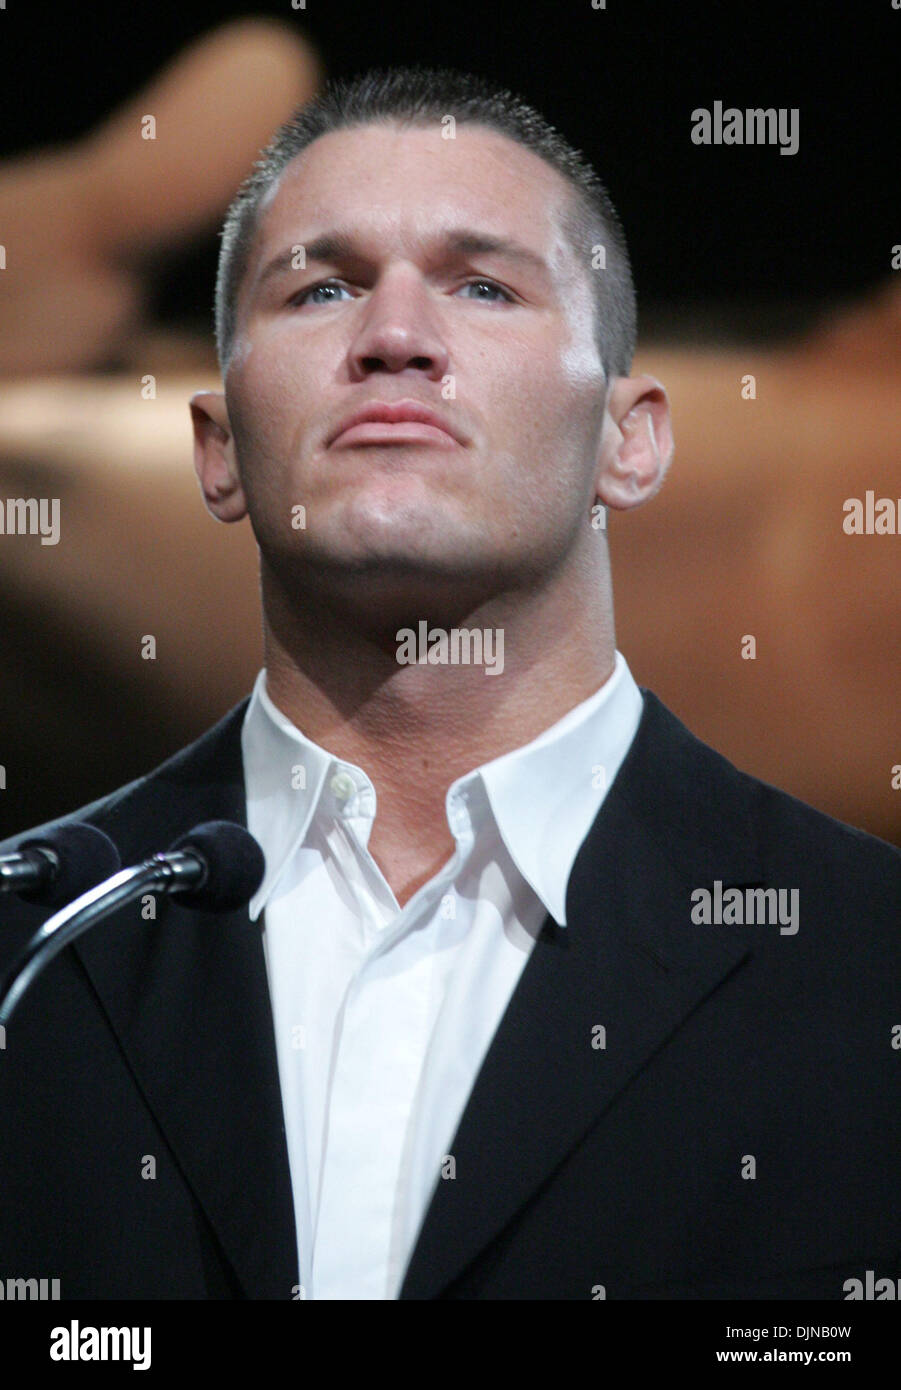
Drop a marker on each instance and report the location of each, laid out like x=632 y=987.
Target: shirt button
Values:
x=343 y=785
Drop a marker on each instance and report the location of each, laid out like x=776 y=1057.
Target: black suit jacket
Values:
x=143 y=1146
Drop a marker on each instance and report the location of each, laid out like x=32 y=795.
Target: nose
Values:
x=399 y=330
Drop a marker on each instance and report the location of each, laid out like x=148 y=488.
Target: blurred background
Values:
x=748 y=264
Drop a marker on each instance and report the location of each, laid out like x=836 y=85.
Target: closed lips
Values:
x=381 y=412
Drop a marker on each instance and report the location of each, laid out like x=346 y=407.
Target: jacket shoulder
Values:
x=210 y=765
x=703 y=788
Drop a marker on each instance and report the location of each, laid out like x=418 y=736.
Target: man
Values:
x=539 y=997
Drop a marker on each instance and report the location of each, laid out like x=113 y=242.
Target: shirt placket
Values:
x=381 y=1041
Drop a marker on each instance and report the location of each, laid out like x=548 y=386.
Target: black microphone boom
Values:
x=54 y=867
x=216 y=867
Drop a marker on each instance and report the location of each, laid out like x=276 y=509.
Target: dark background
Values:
x=726 y=242
x=742 y=239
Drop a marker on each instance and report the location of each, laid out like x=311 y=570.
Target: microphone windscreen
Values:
x=86 y=857
x=235 y=866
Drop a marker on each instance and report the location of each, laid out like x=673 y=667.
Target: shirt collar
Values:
x=543 y=796
x=284 y=774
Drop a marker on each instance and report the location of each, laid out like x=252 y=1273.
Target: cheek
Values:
x=266 y=405
x=581 y=370
x=550 y=409
x=272 y=379
x=552 y=416
x=243 y=351
x=576 y=396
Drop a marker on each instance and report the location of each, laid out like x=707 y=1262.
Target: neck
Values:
x=415 y=728
x=338 y=677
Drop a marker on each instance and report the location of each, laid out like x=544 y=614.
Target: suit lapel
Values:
x=188 y=998
x=629 y=960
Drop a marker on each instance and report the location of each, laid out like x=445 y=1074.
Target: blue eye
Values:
x=304 y=296
x=489 y=285
x=328 y=291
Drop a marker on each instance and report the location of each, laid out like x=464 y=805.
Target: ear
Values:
x=636 y=443
x=214 y=457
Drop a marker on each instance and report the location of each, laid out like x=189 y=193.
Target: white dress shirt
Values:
x=383 y=1015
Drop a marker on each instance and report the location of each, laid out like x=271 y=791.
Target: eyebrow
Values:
x=335 y=246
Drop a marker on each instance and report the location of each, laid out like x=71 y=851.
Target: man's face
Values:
x=498 y=343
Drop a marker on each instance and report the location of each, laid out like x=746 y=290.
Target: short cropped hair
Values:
x=420 y=96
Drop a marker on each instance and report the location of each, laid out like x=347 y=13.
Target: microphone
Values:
x=230 y=866
x=59 y=865
x=216 y=867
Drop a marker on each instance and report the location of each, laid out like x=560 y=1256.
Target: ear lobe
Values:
x=214 y=457
x=638 y=449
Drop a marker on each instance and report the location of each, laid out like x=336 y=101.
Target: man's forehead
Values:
x=481 y=179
